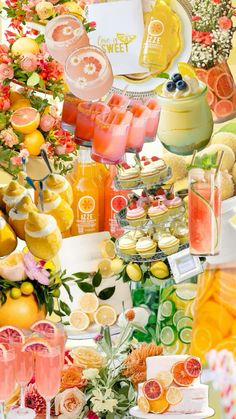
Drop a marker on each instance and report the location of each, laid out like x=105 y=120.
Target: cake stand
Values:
x=90 y=333
x=136 y=413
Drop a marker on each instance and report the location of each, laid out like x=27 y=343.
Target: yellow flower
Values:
x=87 y=357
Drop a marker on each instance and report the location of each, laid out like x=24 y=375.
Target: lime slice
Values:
x=178 y=314
x=168 y=335
x=184 y=322
x=167 y=309
x=186 y=291
x=185 y=334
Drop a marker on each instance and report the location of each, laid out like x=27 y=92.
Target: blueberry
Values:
x=181 y=85
x=170 y=86
x=176 y=77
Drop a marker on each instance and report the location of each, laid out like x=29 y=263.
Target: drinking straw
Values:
x=219 y=163
x=193 y=157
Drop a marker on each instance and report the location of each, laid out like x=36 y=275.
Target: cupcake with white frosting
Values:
x=127 y=245
x=149 y=173
x=128 y=176
x=168 y=244
x=146 y=247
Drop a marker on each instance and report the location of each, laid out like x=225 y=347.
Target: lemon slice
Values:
x=186 y=69
x=186 y=291
x=233 y=221
x=105 y=268
x=165 y=378
x=105 y=316
x=79 y=320
x=88 y=303
x=175 y=349
x=107 y=248
x=143 y=404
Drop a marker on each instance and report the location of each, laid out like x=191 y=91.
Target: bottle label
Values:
x=155 y=32
x=86 y=221
x=117 y=203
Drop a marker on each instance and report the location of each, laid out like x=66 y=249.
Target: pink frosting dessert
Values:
x=173 y=202
x=157 y=210
x=137 y=212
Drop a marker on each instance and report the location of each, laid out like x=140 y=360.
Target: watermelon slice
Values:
x=223 y=108
x=212 y=75
x=224 y=86
x=118 y=202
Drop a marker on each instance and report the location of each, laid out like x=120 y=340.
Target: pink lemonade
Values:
x=153 y=120
x=48 y=372
x=110 y=136
x=137 y=129
x=24 y=364
x=85 y=122
x=118 y=101
x=57 y=339
x=88 y=73
x=69 y=112
x=63 y=35
x=7 y=374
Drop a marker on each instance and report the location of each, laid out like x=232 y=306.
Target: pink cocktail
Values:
x=85 y=122
x=88 y=73
x=110 y=136
x=7 y=376
x=48 y=374
x=69 y=112
x=57 y=339
x=153 y=120
x=137 y=129
x=63 y=35
x=118 y=101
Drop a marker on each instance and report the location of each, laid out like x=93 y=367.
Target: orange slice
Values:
x=25 y=120
x=143 y=404
x=159 y=406
x=229 y=344
x=180 y=375
x=174 y=396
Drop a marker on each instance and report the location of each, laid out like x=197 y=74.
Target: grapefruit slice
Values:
x=44 y=326
x=212 y=76
x=211 y=98
x=201 y=74
x=2 y=349
x=36 y=345
x=223 y=108
x=25 y=120
x=10 y=332
x=152 y=389
x=181 y=377
x=224 y=86
x=193 y=367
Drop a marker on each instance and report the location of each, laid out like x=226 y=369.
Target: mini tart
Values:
x=161 y=166
x=158 y=214
x=146 y=247
x=127 y=245
x=174 y=205
x=129 y=178
x=150 y=174
x=169 y=244
x=136 y=216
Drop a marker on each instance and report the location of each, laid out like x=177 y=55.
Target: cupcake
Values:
x=180 y=230
x=135 y=215
x=54 y=205
x=173 y=203
x=13 y=194
x=59 y=185
x=19 y=215
x=149 y=173
x=128 y=176
x=135 y=234
x=127 y=245
x=160 y=165
x=146 y=247
x=143 y=200
x=168 y=244
x=158 y=212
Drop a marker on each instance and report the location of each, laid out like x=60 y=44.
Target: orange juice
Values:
x=86 y=196
x=101 y=191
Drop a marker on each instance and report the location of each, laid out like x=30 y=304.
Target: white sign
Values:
x=184 y=265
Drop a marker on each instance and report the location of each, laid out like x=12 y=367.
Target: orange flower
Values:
x=72 y=376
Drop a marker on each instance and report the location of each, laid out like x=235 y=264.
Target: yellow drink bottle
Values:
x=161 y=41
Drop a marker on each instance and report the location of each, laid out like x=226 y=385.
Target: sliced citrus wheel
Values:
x=143 y=404
x=105 y=268
x=105 y=316
x=10 y=332
x=201 y=74
x=181 y=377
x=160 y=405
x=193 y=366
x=212 y=75
x=211 y=98
x=89 y=303
x=79 y=320
x=224 y=86
x=165 y=378
x=36 y=345
x=186 y=291
x=107 y=248
x=223 y=108
x=186 y=69
x=44 y=327
x=87 y=204
x=174 y=396
x=25 y=120
x=152 y=389
x=175 y=349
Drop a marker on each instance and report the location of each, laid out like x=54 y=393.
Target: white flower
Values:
x=91 y=373
x=103 y=402
x=70 y=403
x=81 y=82
x=89 y=68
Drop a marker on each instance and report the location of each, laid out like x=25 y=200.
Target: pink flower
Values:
x=33 y=400
x=70 y=403
x=47 y=122
x=6 y=72
x=16 y=161
x=9 y=138
x=92 y=415
x=60 y=9
x=4 y=57
x=225 y=23
x=207 y=40
x=24 y=153
x=28 y=62
x=92 y=25
x=60 y=149
x=48 y=147
x=34 y=270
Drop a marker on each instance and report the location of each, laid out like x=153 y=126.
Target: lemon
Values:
x=186 y=292
x=79 y=320
x=107 y=248
x=89 y=303
x=56 y=293
x=105 y=316
x=186 y=69
x=134 y=272
x=159 y=269
x=23 y=45
x=15 y=293
x=33 y=142
x=105 y=268
x=73 y=8
x=26 y=288
x=117 y=265
x=8 y=238
x=15 y=95
x=20 y=103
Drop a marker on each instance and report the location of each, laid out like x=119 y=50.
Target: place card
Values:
x=184 y=265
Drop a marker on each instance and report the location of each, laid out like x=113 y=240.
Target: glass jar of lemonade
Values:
x=186 y=122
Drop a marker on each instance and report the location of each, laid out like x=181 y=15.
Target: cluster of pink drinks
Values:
x=25 y=355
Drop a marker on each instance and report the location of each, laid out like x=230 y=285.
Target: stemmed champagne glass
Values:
x=7 y=376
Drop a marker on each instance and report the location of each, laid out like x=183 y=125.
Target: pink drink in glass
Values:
x=137 y=129
x=85 y=122
x=69 y=112
x=153 y=120
x=110 y=136
x=57 y=339
x=118 y=101
x=63 y=35
x=7 y=376
x=88 y=73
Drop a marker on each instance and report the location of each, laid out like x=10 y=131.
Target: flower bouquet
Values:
x=212 y=42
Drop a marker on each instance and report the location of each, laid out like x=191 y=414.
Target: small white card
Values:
x=184 y=265
x=119 y=32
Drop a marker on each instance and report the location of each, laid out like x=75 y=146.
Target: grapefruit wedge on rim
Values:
x=25 y=120
x=36 y=345
x=10 y=332
x=44 y=326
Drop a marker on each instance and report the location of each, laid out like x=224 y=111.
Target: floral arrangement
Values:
x=212 y=32
x=14 y=150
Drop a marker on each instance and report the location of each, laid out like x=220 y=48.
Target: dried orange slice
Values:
x=174 y=396
x=152 y=389
x=143 y=404
x=181 y=377
x=165 y=378
x=160 y=405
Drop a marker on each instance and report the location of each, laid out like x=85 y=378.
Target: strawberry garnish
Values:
x=144 y=194
x=171 y=196
x=160 y=191
x=155 y=158
x=133 y=206
x=155 y=204
x=146 y=163
x=143 y=158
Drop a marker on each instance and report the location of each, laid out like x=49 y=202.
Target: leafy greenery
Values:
x=90 y=283
x=204 y=161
